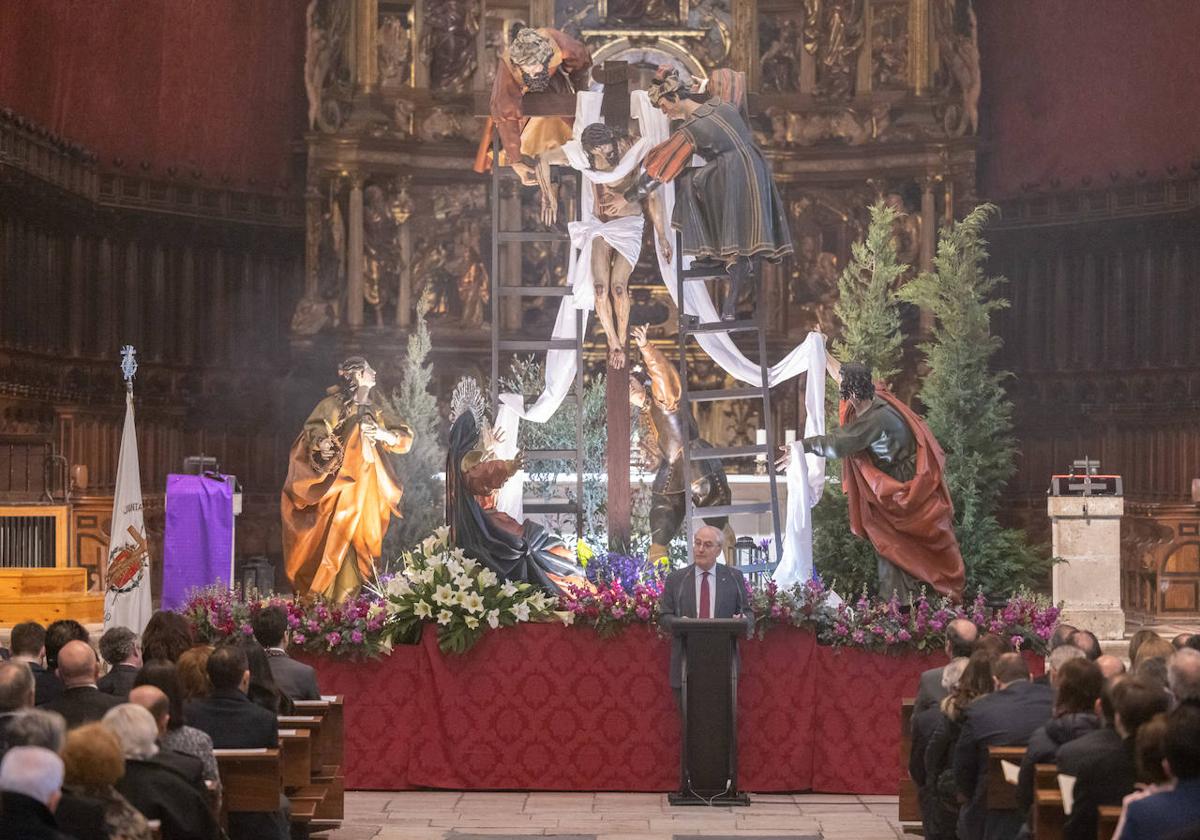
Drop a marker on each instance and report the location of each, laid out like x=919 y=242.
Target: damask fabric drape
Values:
x=560 y=364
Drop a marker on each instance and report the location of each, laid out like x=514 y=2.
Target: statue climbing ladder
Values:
x=689 y=327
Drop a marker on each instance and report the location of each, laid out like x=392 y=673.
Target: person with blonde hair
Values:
x=94 y=763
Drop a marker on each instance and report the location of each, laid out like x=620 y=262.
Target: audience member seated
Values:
x=994 y=646
x=1138 y=639
x=1006 y=717
x=1103 y=763
x=179 y=736
x=1156 y=648
x=1077 y=684
x=263 y=689
x=16 y=694
x=58 y=634
x=94 y=764
x=81 y=701
x=924 y=725
x=1110 y=666
x=299 y=681
x=29 y=646
x=975 y=682
x=1183 y=676
x=37 y=728
x=167 y=635
x=193 y=672
x=122 y=650
x=30 y=787
x=1168 y=812
x=154 y=789
x=1087 y=642
x=233 y=721
x=1149 y=753
x=1193 y=641
x=1061 y=636
x=155 y=701
x=1153 y=670
x=1179 y=642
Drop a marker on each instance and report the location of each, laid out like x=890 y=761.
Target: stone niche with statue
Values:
x=853 y=101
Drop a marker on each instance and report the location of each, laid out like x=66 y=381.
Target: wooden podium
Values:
x=708 y=735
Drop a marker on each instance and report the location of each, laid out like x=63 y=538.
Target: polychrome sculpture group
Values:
x=341 y=488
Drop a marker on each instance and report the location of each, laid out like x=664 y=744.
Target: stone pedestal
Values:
x=1087 y=541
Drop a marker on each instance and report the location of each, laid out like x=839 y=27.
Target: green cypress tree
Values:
x=867 y=308
x=424 y=494
x=967 y=408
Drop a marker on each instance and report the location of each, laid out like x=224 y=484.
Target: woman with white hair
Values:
x=157 y=791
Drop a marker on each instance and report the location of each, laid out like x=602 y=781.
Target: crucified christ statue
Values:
x=611 y=242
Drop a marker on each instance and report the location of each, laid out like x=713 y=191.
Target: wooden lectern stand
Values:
x=708 y=736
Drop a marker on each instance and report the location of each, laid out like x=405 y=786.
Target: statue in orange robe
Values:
x=340 y=490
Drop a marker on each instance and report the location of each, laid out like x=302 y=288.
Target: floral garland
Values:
x=439 y=583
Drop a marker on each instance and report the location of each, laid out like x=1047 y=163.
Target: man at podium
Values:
x=704 y=589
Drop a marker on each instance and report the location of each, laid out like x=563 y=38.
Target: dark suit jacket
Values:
x=84 y=704
x=295 y=679
x=1104 y=769
x=930 y=691
x=233 y=721
x=46 y=685
x=162 y=794
x=187 y=766
x=1165 y=814
x=119 y=681
x=24 y=817
x=1005 y=718
x=679 y=601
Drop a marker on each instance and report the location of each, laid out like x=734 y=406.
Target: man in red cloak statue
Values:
x=538 y=61
x=894 y=482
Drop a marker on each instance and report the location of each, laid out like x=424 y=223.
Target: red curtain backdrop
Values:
x=215 y=85
x=1079 y=88
x=543 y=707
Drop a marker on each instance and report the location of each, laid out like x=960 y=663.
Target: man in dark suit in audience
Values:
x=122 y=650
x=81 y=702
x=1004 y=718
x=295 y=679
x=1174 y=811
x=29 y=646
x=1103 y=762
x=960 y=639
x=1087 y=642
x=705 y=589
x=233 y=722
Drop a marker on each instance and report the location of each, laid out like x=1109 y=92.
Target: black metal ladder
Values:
x=690 y=326
x=502 y=344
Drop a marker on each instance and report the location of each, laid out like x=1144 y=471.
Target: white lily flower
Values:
x=509 y=589
x=422 y=609
x=398 y=587
x=471 y=621
x=487 y=578
x=520 y=611
x=465 y=583
x=442 y=534
x=454 y=568
x=428 y=545
x=445 y=617
x=567 y=617
x=444 y=595
x=472 y=602
x=374 y=611
x=493 y=618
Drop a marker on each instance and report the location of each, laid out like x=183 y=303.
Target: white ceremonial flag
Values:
x=127 y=601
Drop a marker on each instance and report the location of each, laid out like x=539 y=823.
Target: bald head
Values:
x=154 y=700
x=77 y=664
x=961 y=634
x=1110 y=666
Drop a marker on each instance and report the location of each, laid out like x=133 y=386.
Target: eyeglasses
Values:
x=705 y=544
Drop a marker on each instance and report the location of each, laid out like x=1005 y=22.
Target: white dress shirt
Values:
x=712 y=591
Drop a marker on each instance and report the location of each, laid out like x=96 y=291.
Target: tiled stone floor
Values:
x=438 y=815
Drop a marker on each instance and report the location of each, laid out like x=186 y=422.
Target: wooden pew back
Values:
x=1001 y=796
x=250 y=780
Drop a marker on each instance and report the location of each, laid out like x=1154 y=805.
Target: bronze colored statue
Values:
x=673 y=426
x=615 y=243
x=340 y=490
x=728 y=211
x=537 y=60
x=473 y=287
x=448 y=43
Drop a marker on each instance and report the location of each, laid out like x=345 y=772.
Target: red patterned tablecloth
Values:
x=546 y=707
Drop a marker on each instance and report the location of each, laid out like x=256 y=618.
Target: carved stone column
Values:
x=158 y=282
x=366 y=58
x=743 y=52
x=76 y=300
x=219 y=325
x=312 y=239
x=918 y=46
x=354 y=248
x=404 y=301
x=187 y=300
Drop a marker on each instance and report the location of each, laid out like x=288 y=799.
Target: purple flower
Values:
x=299 y=638
x=356 y=637
x=643 y=613
x=1016 y=640
x=334 y=639
x=313 y=627
x=858 y=637
x=904 y=636
x=247 y=630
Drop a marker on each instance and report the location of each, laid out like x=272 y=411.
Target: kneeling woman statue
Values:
x=519 y=553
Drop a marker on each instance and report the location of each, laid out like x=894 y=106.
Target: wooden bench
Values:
x=910 y=805
x=1000 y=795
x=251 y=781
x=1048 y=816
x=1045 y=776
x=328 y=754
x=1106 y=825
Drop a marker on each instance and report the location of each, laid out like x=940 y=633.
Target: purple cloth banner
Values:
x=198 y=545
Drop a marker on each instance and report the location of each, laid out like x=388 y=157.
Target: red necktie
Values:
x=704 y=597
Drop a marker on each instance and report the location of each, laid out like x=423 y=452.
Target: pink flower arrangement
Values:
x=610 y=607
